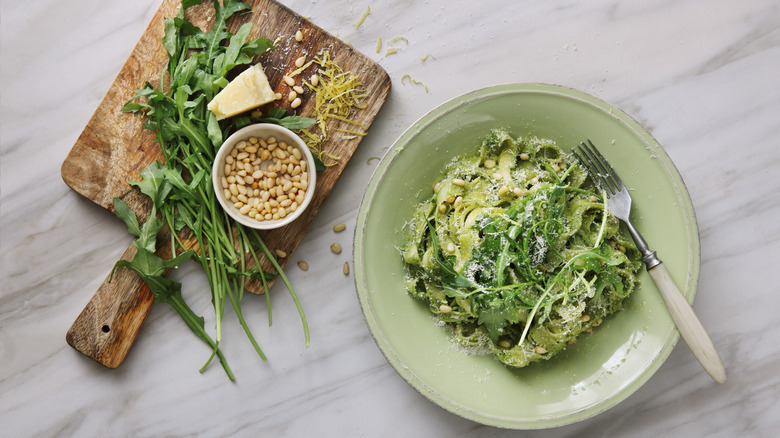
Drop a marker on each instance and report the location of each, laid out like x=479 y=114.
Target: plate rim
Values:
x=386 y=161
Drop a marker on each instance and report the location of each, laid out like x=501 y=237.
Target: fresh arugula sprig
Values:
x=152 y=268
x=181 y=189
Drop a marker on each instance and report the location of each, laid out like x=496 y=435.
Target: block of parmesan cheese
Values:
x=247 y=91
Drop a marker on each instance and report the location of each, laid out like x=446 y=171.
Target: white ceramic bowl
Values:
x=262 y=130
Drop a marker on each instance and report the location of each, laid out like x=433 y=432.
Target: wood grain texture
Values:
x=114 y=148
x=107 y=327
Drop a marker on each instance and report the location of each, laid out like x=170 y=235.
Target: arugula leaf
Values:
x=128 y=217
x=498 y=314
x=219 y=31
x=154 y=184
x=319 y=166
x=187 y=3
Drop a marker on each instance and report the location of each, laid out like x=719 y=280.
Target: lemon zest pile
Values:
x=338 y=95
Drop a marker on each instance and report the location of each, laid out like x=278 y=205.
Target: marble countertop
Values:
x=701 y=76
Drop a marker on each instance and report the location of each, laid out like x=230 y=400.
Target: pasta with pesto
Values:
x=516 y=250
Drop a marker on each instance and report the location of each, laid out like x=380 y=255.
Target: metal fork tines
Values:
x=619 y=204
x=619 y=200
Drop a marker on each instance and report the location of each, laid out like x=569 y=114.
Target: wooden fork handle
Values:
x=691 y=329
x=107 y=327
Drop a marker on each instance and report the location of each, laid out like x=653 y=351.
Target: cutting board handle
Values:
x=107 y=327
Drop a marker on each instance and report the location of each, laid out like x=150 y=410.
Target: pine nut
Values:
x=336 y=248
x=296 y=103
x=345 y=269
x=445 y=308
x=289 y=81
x=299 y=36
x=267 y=194
x=314 y=80
x=524 y=156
x=293 y=94
x=339 y=228
x=298 y=89
x=300 y=61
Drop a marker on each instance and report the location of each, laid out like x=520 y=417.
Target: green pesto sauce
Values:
x=516 y=250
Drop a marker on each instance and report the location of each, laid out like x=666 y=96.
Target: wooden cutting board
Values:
x=114 y=148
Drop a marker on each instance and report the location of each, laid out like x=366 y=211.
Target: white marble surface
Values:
x=703 y=76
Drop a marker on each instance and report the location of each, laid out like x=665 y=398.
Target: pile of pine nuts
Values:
x=265 y=179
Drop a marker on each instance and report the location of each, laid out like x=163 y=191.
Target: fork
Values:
x=619 y=204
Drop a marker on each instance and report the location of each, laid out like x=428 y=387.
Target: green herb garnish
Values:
x=181 y=190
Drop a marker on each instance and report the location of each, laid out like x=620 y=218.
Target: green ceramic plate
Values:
x=602 y=368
